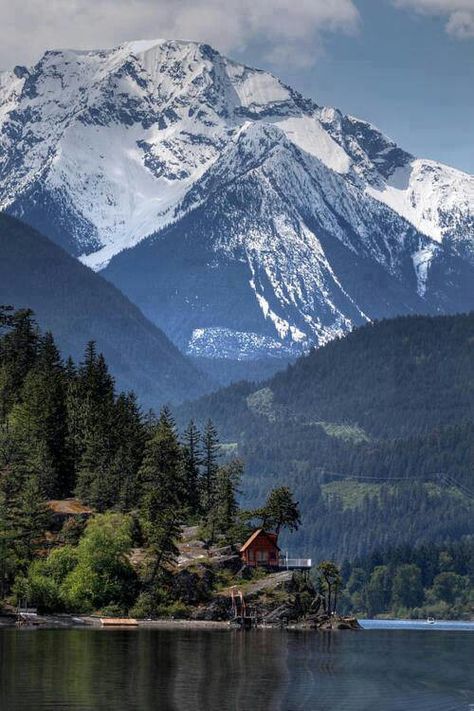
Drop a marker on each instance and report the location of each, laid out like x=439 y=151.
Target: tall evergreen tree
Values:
x=8 y=559
x=162 y=465
x=192 y=460
x=281 y=511
x=226 y=506
x=129 y=441
x=74 y=420
x=39 y=420
x=163 y=486
x=27 y=518
x=210 y=449
x=17 y=355
x=96 y=387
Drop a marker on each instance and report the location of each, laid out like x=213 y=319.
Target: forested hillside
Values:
x=79 y=305
x=65 y=431
x=375 y=432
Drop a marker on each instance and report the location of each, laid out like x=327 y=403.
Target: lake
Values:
x=209 y=670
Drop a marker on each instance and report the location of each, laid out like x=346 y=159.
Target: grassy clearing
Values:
x=348 y=433
x=352 y=493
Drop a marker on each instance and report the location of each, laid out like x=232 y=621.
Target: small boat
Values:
x=431 y=620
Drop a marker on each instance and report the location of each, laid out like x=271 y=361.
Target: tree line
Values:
x=419 y=582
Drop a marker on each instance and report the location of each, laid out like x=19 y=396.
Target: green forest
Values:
x=430 y=581
x=374 y=433
x=65 y=432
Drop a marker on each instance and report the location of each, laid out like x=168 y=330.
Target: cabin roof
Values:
x=68 y=507
x=255 y=535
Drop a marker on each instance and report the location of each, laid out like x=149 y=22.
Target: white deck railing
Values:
x=295 y=562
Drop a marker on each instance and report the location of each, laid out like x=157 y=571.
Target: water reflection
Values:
x=214 y=671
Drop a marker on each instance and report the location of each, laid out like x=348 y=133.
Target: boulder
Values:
x=220 y=608
x=230 y=562
x=193 y=586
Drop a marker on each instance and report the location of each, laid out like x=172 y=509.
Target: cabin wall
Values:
x=261 y=552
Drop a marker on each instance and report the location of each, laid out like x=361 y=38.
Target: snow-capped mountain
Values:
x=243 y=219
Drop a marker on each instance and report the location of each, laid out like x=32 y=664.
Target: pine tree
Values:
x=162 y=465
x=192 y=458
x=39 y=420
x=281 y=511
x=17 y=355
x=74 y=421
x=330 y=582
x=8 y=559
x=210 y=449
x=161 y=525
x=129 y=441
x=163 y=492
x=96 y=387
x=226 y=507
x=27 y=518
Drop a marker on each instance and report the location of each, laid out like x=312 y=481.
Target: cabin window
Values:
x=262 y=556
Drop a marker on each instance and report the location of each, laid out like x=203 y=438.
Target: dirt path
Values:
x=269 y=582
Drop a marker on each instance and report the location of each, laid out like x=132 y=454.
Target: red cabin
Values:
x=261 y=549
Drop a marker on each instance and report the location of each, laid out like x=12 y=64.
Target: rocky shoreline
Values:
x=61 y=621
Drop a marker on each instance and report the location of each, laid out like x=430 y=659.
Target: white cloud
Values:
x=461 y=24
x=460 y=14
x=286 y=30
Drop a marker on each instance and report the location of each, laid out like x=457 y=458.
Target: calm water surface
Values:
x=372 y=670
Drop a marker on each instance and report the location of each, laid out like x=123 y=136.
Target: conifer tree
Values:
x=281 y=510
x=161 y=525
x=27 y=518
x=39 y=420
x=330 y=582
x=210 y=457
x=8 y=559
x=74 y=420
x=97 y=398
x=192 y=458
x=226 y=506
x=162 y=462
x=129 y=442
x=163 y=487
x=17 y=355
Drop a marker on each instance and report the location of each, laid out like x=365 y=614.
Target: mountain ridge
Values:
x=78 y=306
x=320 y=222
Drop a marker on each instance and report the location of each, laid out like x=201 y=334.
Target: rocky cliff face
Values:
x=244 y=220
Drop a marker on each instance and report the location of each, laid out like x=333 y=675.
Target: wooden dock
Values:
x=118 y=622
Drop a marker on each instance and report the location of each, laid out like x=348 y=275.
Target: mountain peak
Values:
x=111 y=152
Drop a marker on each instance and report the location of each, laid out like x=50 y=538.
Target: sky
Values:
x=406 y=66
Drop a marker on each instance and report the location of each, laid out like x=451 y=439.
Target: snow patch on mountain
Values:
x=308 y=134
x=424 y=192
x=237 y=345
x=422 y=261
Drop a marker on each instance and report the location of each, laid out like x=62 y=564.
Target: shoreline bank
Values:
x=64 y=621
